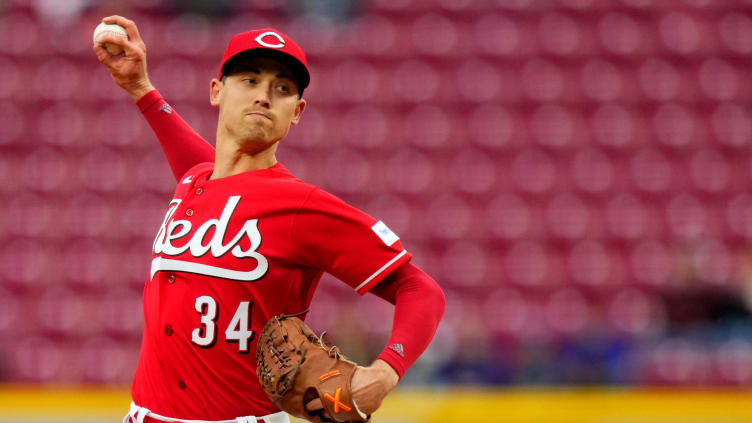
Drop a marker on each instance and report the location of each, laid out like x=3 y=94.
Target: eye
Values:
x=284 y=88
x=250 y=80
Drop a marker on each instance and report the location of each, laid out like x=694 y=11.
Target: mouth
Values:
x=259 y=115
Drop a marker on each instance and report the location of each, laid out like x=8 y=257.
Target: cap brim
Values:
x=296 y=67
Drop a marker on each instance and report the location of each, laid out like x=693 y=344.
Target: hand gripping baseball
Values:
x=128 y=70
x=308 y=379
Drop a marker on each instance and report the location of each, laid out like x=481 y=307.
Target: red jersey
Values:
x=230 y=254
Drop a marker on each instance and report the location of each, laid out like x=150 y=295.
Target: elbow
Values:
x=438 y=298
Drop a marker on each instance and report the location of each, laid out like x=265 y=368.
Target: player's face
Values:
x=257 y=104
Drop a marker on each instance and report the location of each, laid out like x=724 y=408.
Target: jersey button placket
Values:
x=182 y=385
x=168 y=330
x=199 y=191
x=171 y=278
x=189 y=212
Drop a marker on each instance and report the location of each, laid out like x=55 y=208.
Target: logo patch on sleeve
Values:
x=398 y=348
x=385 y=233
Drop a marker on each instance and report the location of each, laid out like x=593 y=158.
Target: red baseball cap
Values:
x=268 y=42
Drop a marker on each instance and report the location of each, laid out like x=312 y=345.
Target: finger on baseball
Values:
x=130 y=27
x=105 y=57
x=131 y=48
x=112 y=39
x=102 y=54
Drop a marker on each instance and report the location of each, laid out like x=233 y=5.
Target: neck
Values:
x=230 y=160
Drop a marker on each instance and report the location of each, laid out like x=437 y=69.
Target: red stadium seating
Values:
x=615 y=126
x=563 y=169
x=739 y=215
x=11 y=315
x=591 y=263
x=492 y=126
x=592 y=171
x=636 y=312
x=509 y=217
x=652 y=263
x=465 y=264
x=732 y=125
x=507 y=311
x=567 y=311
x=626 y=217
x=733 y=361
x=534 y=171
x=735 y=29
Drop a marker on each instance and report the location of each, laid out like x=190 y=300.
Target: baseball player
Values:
x=244 y=240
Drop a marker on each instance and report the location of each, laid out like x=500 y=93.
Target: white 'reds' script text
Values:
x=173 y=230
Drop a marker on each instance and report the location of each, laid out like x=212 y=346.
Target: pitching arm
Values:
x=183 y=146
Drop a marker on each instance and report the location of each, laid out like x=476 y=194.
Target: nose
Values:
x=262 y=96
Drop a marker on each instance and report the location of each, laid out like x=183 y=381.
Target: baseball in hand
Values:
x=110 y=29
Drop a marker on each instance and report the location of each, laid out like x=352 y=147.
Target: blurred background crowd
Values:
x=574 y=173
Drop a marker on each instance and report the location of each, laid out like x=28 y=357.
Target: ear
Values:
x=215 y=89
x=298 y=111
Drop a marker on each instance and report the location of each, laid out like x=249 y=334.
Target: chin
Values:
x=254 y=143
x=255 y=135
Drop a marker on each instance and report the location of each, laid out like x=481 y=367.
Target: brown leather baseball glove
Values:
x=295 y=367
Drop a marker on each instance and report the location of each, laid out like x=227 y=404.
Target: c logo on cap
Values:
x=260 y=40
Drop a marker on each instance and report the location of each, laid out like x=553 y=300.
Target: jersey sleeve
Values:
x=183 y=147
x=354 y=247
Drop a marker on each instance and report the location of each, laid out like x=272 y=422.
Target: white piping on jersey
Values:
x=137 y=414
x=159 y=264
x=384 y=267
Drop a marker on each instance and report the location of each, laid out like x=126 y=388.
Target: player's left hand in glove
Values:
x=310 y=380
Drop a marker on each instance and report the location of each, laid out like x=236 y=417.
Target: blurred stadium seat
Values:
x=567 y=311
x=567 y=217
x=509 y=217
x=428 y=126
x=615 y=126
x=710 y=171
x=739 y=215
x=492 y=126
x=733 y=361
x=622 y=35
x=735 y=29
x=592 y=171
x=719 y=79
x=506 y=311
x=652 y=263
x=626 y=217
x=497 y=35
x=636 y=312
x=601 y=80
x=534 y=171
x=732 y=125
x=433 y=34
x=591 y=263
x=529 y=263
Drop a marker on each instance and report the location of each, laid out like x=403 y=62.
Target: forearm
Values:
x=183 y=147
x=419 y=305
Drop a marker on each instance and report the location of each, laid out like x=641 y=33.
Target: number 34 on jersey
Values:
x=239 y=329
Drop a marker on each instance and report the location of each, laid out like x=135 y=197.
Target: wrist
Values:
x=140 y=91
x=387 y=372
